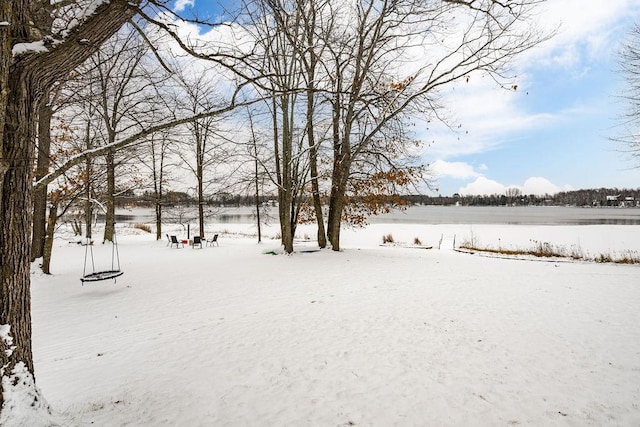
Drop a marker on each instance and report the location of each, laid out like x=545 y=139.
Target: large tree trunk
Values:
x=339 y=180
x=45 y=112
x=23 y=81
x=336 y=207
x=16 y=213
x=5 y=64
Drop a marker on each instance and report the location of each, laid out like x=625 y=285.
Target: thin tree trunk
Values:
x=88 y=205
x=278 y=167
x=257 y=181
x=200 y=178
x=51 y=226
x=158 y=219
x=313 y=163
x=157 y=171
x=287 y=182
x=256 y=177
x=110 y=215
x=310 y=26
x=45 y=113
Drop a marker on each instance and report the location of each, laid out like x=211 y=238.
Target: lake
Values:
x=523 y=215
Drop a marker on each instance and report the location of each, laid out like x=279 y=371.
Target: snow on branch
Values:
x=68 y=16
x=33 y=47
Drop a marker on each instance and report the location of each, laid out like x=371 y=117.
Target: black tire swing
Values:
x=97 y=276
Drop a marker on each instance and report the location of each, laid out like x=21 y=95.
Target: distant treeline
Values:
x=589 y=197
x=178 y=198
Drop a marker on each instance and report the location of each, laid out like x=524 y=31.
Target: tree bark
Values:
x=337 y=201
x=16 y=213
x=5 y=70
x=257 y=199
x=313 y=168
x=51 y=227
x=310 y=64
x=110 y=214
x=157 y=188
x=286 y=190
x=201 y=135
x=45 y=113
x=23 y=82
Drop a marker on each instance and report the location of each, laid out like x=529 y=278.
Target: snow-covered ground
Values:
x=370 y=336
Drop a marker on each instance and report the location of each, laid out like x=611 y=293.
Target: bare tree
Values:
x=123 y=96
x=513 y=192
x=255 y=177
x=204 y=146
x=316 y=20
x=41 y=42
x=275 y=26
x=390 y=58
x=156 y=160
x=370 y=66
x=629 y=62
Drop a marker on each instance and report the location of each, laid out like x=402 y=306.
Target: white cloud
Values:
x=182 y=4
x=457 y=170
x=483 y=117
x=538 y=185
x=482 y=186
x=534 y=185
x=581 y=29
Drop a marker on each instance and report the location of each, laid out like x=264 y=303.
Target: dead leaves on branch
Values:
x=370 y=194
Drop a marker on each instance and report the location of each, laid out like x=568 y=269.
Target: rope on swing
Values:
x=96 y=276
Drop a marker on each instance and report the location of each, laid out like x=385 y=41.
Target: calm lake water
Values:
x=529 y=215
x=525 y=215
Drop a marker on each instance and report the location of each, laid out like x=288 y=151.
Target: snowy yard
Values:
x=371 y=336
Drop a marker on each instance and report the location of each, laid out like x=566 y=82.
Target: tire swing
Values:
x=97 y=276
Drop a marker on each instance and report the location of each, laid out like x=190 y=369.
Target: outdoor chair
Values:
x=168 y=239
x=197 y=241
x=213 y=240
x=175 y=241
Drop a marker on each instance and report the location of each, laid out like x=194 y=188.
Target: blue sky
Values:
x=552 y=133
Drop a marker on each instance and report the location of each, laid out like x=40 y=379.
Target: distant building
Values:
x=628 y=202
x=612 y=200
x=623 y=202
